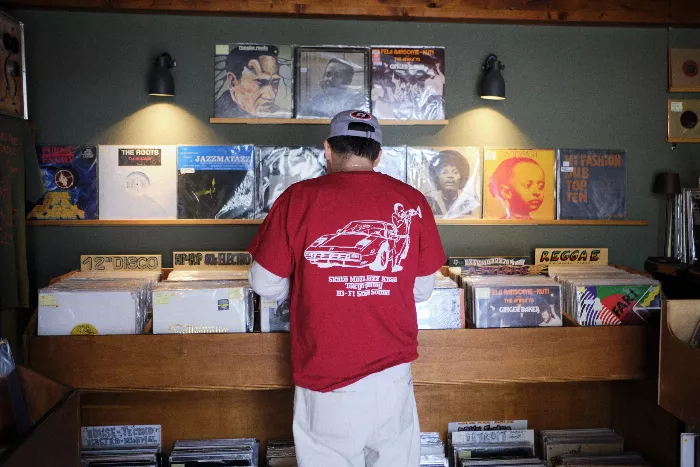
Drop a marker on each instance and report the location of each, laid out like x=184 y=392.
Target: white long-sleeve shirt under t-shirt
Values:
x=273 y=287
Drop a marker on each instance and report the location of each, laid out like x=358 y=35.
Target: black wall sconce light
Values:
x=161 y=82
x=493 y=86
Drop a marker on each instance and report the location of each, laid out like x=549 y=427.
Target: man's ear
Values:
x=376 y=161
x=327 y=151
x=506 y=192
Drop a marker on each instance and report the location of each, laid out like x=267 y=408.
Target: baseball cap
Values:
x=356 y=123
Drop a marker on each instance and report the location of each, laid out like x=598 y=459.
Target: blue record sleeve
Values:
x=591 y=184
x=69 y=174
x=216 y=182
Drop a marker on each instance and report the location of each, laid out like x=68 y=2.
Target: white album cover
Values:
x=137 y=182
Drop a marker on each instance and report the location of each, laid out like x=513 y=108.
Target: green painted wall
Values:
x=567 y=87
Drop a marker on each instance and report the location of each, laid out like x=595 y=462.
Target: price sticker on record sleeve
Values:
x=235 y=294
x=47 y=300
x=161 y=298
x=483 y=293
x=111 y=263
x=676 y=106
x=490 y=155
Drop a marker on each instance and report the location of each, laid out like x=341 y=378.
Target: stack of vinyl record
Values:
x=445 y=307
x=121 y=456
x=432 y=451
x=99 y=306
x=491 y=443
x=121 y=446
x=686 y=226
x=151 y=277
x=280 y=452
x=190 y=307
x=595 y=446
x=208 y=275
x=601 y=295
x=513 y=301
x=220 y=452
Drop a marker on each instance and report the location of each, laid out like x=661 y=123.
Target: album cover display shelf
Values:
x=175 y=222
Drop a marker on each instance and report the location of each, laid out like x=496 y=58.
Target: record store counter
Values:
x=256 y=361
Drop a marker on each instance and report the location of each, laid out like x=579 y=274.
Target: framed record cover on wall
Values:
x=408 y=83
x=519 y=184
x=450 y=179
x=684 y=70
x=330 y=80
x=253 y=81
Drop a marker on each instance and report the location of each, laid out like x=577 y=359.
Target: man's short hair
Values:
x=238 y=59
x=347 y=146
x=504 y=172
x=453 y=158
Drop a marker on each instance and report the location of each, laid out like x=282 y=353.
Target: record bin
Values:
x=54 y=415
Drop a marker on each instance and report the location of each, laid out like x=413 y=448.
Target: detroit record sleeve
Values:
x=450 y=179
x=216 y=182
x=69 y=174
x=137 y=182
x=408 y=83
x=279 y=167
x=519 y=183
x=253 y=81
x=330 y=80
x=591 y=184
x=393 y=162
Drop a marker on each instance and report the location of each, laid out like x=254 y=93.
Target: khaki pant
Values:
x=371 y=423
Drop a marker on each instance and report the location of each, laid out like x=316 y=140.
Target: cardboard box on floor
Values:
x=54 y=416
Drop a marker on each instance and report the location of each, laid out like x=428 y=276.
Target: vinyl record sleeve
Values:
x=69 y=174
x=137 y=182
x=591 y=184
x=519 y=184
x=253 y=81
x=450 y=179
x=408 y=83
x=517 y=306
x=602 y=304
x=331 y=79
x=216 y=182
x=279 y=167
x=274 y=315
x=393 y=162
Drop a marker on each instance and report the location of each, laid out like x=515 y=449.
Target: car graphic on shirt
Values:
x=370 y=243
x=357 y=245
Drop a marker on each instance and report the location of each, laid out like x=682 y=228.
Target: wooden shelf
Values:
x=679 y=363
x=105 y=223
x=261 y=360
x=317 y=121
x=683 y=140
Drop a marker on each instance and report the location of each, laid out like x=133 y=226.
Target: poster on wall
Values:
x=450 y=179
x=408 y=83
x=519 y=184
x=330 y=80
x=215 y=182
x=137 y=182
x=279 y=167
x=253 y=81
x=69 y=174
x=591 y=184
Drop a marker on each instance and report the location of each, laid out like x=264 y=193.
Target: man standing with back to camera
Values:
x=327 y=244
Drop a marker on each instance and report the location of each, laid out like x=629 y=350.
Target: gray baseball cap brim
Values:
x=340 y=125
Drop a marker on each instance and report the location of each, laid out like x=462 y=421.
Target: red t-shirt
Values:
x=352 y=244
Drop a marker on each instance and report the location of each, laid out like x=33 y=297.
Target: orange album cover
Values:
x=519 y=184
